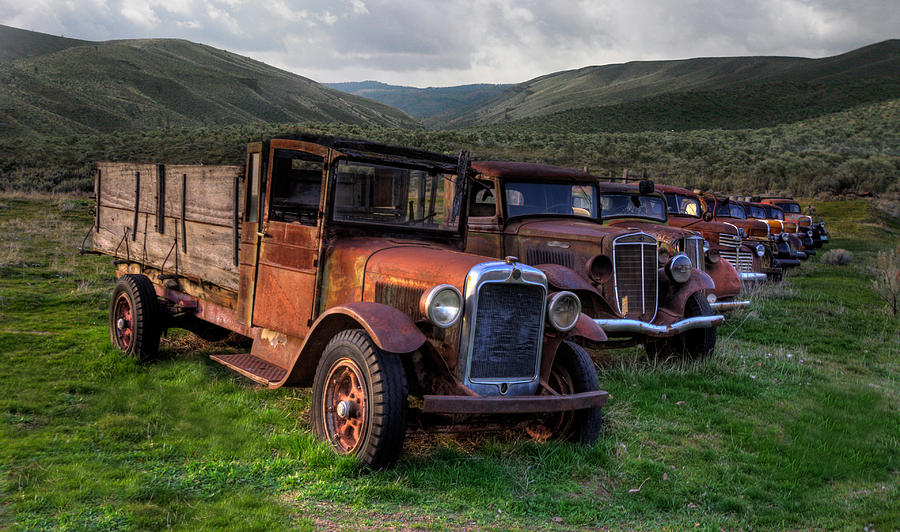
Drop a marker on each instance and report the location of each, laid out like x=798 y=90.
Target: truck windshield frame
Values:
x=549 y=198
x=623 y=205
x=394 y=198
x=680 y=204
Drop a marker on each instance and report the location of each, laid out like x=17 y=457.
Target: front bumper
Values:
x=529 y=404
x=785 y=263
x=724 y=306
x=752 y=277
x=658 y=331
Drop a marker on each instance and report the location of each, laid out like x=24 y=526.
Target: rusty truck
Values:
x=344 y=262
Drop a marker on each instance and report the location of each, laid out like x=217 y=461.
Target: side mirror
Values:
x=707 y=216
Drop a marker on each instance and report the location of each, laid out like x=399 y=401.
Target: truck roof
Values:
x=520 y=170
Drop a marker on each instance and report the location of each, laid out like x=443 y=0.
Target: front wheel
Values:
x=359 y=400
x=692 y=344
x=573 y=371
x=134 y=317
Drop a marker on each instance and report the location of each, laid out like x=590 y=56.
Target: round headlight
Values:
x=760 y=250
x=442 y=305
x=600 y=269
x=679 y=268
x=563 y=310
x=713 y=256
x=809 y=233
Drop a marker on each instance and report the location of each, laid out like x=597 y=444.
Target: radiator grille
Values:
x=536 y=255
x=508 y=333
x=729 y=240
x=693 y=248
x=741 y=260
x=634 y=270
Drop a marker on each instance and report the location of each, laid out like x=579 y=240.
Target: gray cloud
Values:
x=451 y=42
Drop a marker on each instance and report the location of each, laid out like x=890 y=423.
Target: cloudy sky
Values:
x=453 y=42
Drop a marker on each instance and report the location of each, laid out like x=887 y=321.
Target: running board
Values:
x=253 y=368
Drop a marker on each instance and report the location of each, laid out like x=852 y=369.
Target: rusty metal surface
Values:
x=725 y=277
x=458 y=404
x=253 y=368
x=524 y=171
x=390 y=328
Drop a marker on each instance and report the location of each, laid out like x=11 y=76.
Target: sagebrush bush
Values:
x=837 y=257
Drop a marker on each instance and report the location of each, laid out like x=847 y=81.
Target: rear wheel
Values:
x=359 y=400
x=692 y=344
x=135 y=322
x=573 y=372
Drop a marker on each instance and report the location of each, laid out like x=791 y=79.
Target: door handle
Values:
x=262 y=235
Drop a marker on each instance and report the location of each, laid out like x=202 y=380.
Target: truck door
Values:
x=289 y=240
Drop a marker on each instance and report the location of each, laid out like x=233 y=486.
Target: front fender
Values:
x=675 y=295
x=390 y=329
x=588 y=329
x=725 y=277
x=563 y=278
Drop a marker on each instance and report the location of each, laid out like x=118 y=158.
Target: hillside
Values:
x=725 y=79
x=16 y=43
x=81 y=87
x=432 y=104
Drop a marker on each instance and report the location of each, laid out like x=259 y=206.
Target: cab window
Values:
x=296 y=187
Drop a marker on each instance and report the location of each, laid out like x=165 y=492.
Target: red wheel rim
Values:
x=123 y=324
x=345 y=406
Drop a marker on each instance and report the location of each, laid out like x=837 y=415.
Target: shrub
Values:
x=837 y=257
x=887 y=280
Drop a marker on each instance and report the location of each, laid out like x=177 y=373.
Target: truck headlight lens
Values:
x=760 y=250
x=679 y=268
x=712 y=256
x=563 y=310
x=809 y=233
x=442 y=305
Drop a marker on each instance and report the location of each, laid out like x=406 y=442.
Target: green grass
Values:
x=793 y=424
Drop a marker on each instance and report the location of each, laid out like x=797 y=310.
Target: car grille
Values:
x=634 y=269
x=729 y=240
x=508 y=331
x=741 y=260
x=693 y=248
x=563 y=257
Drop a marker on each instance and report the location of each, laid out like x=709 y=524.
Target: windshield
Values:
x=527 y=199
x=774 y=213
x=730 y=210
x=757 y=212
x=793 y=208
x=683 y=205
x=633 y=206
x=367 y=193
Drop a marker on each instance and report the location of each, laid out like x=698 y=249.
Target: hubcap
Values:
x=124 y=332
x=345 y=406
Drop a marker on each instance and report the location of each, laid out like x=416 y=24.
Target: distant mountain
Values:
x=432 y=104
x=716 y=89
x=63 y=86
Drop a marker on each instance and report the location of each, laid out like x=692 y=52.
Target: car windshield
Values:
x=730 y=210
x=419 y=199
x=757 y=212
x=683 y=205
x=774 y=213
x=793 y=208
x=615 y=205
x=533 y=198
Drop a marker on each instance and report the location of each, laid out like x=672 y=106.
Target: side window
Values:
x=252 y=211
x=482 y=199
x=296 y=187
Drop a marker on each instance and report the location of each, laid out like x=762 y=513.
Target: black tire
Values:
x=693 y=344
x=573 y=371
x=135 y=321
x=373 y=426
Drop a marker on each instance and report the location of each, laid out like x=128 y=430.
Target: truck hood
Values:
x=566 y=229
x=664 y=233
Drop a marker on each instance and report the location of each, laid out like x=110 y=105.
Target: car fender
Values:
x=564 y=278
x=391 y=330
x=726 y=279
x=676 y=295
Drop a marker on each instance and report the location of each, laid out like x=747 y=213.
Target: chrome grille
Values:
x=508 y=332
x=729 y=240
x=634 y=270
x=693 y=248
x=536 y=255
x=741 y=260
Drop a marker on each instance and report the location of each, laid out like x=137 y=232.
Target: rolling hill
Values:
x=617 y=92
x=434 y=105
x=62 y=86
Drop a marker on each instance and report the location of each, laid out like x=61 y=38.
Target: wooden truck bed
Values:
x=178 y=219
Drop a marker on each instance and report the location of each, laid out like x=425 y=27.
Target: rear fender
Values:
x=675 y=295
x=390 y=329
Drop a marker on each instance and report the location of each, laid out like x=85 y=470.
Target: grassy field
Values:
x=794 y=423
